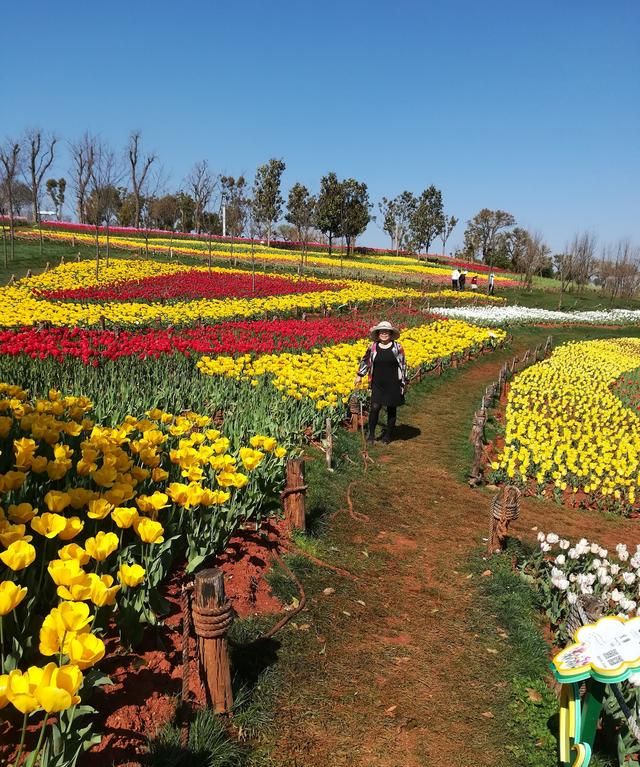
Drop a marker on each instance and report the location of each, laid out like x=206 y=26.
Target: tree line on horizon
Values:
x=128 y=188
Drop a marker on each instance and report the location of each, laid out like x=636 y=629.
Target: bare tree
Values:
x=536 y=257
x=618 y=270
x=104 y=196
x=448 y=227
x=139 y=169
x=583 y=259
x=201 y=183
x=83 y=157
x=39 y=152
x=10 y=167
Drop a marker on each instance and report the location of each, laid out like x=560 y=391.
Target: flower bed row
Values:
x=523 y=315
x=20 y=304
x=565 y=427
x=326 y=376
x=92 y=519
x=190 y=284
x=399 y=266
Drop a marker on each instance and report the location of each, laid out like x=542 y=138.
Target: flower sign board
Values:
x=604 y=653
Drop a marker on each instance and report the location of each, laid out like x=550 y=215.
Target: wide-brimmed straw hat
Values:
x=384 y=325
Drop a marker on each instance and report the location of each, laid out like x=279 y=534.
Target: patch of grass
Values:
x=531 y=717
x=209 y=745
x=529 y=741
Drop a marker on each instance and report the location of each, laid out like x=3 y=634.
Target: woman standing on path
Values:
x=384 y=362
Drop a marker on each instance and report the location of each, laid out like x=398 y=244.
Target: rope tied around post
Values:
x=212 y=622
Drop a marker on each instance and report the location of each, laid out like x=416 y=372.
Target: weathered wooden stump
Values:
x=293 y=495
x=212 y=618
x=505 y=507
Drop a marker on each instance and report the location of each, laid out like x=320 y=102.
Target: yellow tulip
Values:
x=99 y=508
x=73 y=551
x=18 y=555
x=21 y=512
x=131 y=575
x=102 y=591
x=49 y=525
x=101 y=546
x=11 y=533
x=214 y=497
x=124 y=516
x=85 y=650
x=79 y=497
x=148 y=530
x=66 y=572
x=4 y=680
x=152 y=503
x=24 y=450
x=57 y=501
x=251 y=458
x=56 y=690
x=74 y=525
x=10 y=596
x=12 y=480
x=21 y=691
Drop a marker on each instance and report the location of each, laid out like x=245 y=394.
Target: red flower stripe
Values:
x=259 y=337
x=191 y=284
x=241 y=337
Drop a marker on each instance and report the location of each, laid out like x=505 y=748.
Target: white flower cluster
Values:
x=514 y=315
x=587 y=568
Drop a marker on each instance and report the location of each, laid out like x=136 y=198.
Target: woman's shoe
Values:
x=371 y=439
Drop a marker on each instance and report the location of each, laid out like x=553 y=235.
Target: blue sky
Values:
x=529 y=107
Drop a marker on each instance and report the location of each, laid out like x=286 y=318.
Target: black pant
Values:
x=374 y=414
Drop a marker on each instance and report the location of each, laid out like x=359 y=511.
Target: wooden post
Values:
x=211 y=620
x=329 y=448
x=293 y=495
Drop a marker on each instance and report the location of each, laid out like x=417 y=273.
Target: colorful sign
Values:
x=604 y=653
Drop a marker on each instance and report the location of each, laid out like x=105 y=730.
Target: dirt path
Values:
x=400 y=674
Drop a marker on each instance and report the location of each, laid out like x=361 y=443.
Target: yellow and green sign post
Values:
x=606 y=652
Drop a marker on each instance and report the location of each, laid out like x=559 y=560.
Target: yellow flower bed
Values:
x=326 y=375
x=564 y=425
x=20 y=306
x=85 y=510
x=241 y=253
x=469 y=295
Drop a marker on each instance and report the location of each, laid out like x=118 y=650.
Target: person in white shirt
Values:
x=455 y=276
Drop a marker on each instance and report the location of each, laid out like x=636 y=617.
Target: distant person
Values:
x=474 y=282
x=455 y=276
x=385 y=364
x=491 y=283
x=462 y=279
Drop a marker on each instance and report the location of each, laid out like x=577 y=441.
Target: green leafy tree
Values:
x=329 y=207
x=427 y=219
x=396 y=218
x=164 y=212
x=301 y=210
x=236 y=204
x=56 y=189
x=356 y=210
x=186 y=212
x=267 y=200
x=103 y=204
x=481 y=232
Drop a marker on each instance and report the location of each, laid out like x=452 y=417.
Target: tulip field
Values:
x=366 y=267
x=113 y=469
x=147 y=412
x=567 y=426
